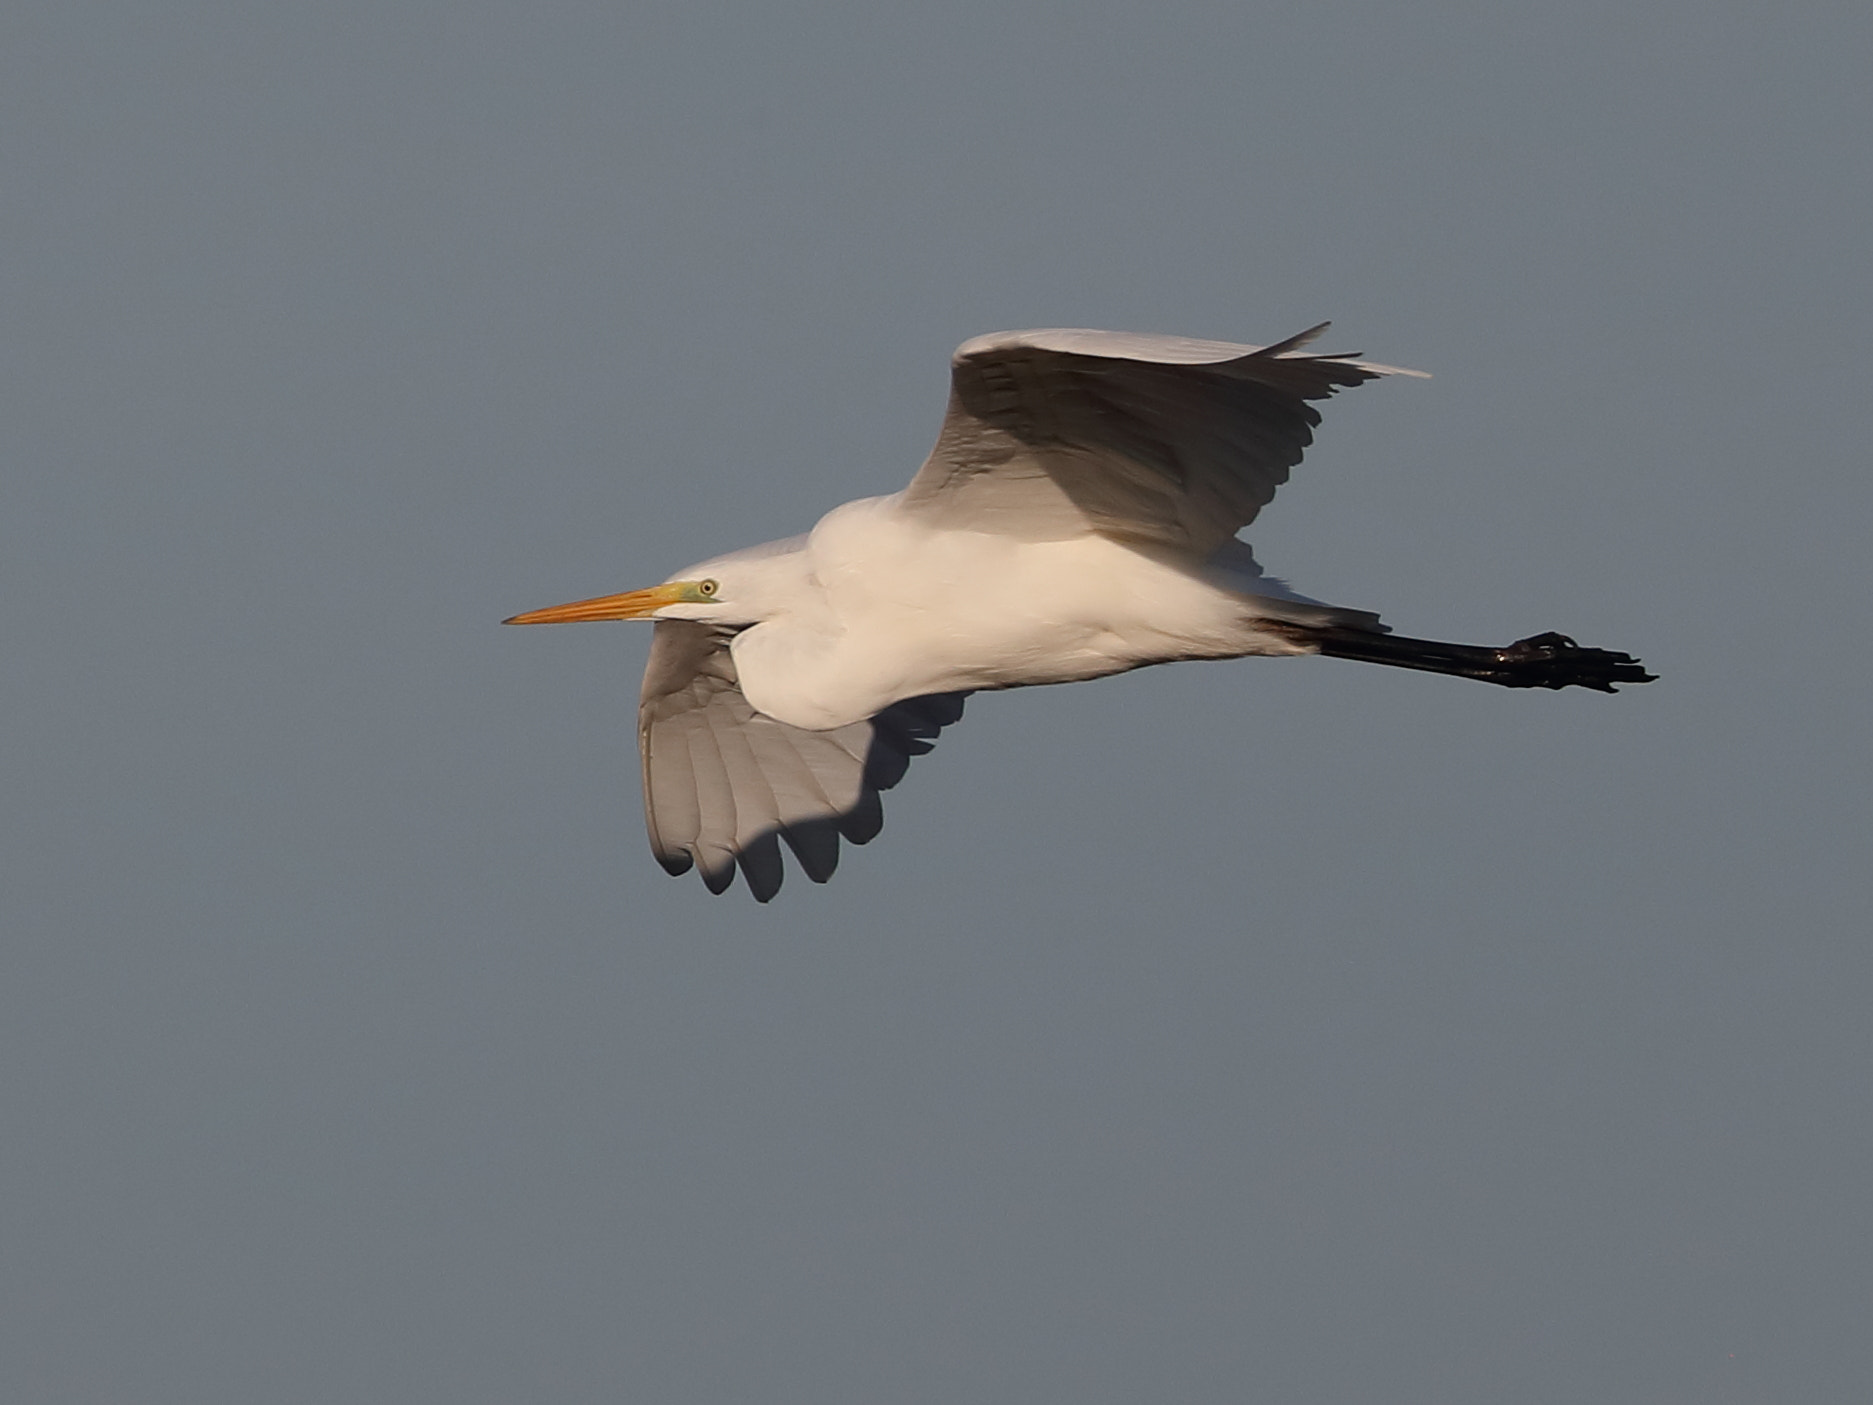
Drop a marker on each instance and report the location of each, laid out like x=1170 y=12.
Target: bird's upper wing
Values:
x=724 y=784
x=1161 y=440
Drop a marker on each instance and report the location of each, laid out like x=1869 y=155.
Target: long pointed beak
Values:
x=632 y=605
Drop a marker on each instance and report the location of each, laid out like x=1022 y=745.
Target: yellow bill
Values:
x=632 y=605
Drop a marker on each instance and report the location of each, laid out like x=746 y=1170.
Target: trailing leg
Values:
x=1540 y=661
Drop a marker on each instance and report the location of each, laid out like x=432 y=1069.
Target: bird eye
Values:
x=705 y=588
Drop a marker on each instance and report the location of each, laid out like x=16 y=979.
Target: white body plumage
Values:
x=878 y=604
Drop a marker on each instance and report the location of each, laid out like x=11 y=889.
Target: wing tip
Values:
x=1169 y=350
x=1297 y=341
x=1293 y=347
x=1379 y=368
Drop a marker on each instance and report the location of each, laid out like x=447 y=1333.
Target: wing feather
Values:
x=757 y=812
x=724 y=785
x=1162 y=440
x=714 y=849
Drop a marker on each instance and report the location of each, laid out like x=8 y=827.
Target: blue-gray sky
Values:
x=1286 y=1031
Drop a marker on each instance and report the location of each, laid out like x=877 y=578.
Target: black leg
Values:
x=1541 y=661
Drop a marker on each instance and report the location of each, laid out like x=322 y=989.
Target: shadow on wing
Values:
x=725 y=786
x=1150 y=439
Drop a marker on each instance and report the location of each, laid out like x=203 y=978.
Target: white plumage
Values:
x=1076 y=518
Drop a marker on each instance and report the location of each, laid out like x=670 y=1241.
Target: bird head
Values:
x=738 y=589
x=673 y=600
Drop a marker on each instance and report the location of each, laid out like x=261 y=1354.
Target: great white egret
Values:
x=1076 y=518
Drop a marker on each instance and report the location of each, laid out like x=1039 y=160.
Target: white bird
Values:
x=1077 y=518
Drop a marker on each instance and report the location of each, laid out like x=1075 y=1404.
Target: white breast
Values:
x=907 y=609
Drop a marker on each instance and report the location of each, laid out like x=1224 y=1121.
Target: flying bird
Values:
x=1077 y=518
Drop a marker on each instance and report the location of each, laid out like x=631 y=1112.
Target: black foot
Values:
x=1555 y=661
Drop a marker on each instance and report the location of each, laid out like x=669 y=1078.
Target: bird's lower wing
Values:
x=1163 y=440
x=724 y=785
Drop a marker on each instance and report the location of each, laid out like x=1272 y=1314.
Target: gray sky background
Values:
x=1298 y=1032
